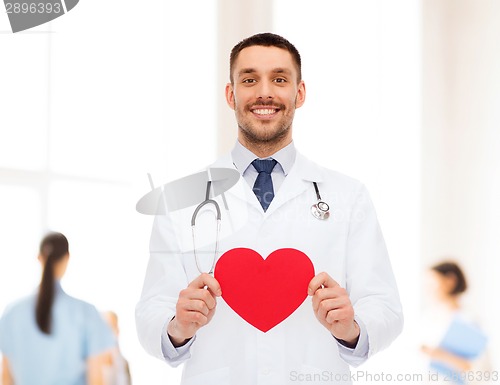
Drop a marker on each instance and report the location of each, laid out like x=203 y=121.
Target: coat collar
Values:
x=299 y=179
x=303 y=168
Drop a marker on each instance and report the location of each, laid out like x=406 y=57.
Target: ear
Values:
x=301 y=95
x=230 y=95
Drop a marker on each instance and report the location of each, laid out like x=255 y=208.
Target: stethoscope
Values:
x=320 y=210
x=207 y=201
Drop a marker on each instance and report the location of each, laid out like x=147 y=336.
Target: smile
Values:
x=265 y=112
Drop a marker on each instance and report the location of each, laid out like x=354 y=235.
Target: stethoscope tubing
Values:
x=207 y=201
x=320 y=210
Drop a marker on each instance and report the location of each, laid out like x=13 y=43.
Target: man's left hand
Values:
x=333 y=308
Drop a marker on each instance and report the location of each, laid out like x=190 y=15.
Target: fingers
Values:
x=425 y=349
x=195 y=308
x=333 y=307
x=330 y=301
x=326 y=299
x=321 y=281
x=206 y=280
x=201 y=302
x=196 y=298
x=192 y=312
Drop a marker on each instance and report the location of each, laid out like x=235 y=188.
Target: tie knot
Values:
x=264 y=165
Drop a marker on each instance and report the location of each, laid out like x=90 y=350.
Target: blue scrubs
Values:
x=78 y=332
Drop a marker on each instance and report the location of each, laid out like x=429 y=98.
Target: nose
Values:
x=265 y=90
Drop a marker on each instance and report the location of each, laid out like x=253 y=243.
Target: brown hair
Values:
x=52 y=249
x=451 y=269
x=266 y=40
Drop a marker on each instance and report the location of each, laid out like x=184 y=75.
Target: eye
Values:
x=280 y=80
x=249 y=81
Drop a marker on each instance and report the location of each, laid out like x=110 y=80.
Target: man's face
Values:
x=265 y=94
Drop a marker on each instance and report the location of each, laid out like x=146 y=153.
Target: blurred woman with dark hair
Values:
x=51 y=338
x=452 y=282
x=448 y=285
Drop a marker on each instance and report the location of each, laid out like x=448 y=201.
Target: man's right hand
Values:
x=195 y=308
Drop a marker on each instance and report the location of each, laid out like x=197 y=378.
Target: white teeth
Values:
x=264 y=111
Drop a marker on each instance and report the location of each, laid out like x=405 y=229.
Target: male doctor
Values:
x=352 y=309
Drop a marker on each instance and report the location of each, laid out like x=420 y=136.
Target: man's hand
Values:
x=195 y=308
x=333 y=308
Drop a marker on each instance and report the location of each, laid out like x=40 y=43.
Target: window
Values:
x=90 y=105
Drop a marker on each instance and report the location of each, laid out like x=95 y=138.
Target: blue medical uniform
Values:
x=78 y=331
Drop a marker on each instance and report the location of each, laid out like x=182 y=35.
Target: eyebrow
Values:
x=285 y=71
x=278 y=70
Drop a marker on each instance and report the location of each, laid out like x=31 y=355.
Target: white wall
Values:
x=461 y=147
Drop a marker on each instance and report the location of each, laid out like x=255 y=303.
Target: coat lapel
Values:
x=298 y=180
x=241 y=190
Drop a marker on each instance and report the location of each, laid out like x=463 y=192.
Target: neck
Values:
x=264 y=149
x=452 y=302
x=60 y=268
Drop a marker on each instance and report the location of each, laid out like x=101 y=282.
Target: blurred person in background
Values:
x=454 y=341
x=51 y=338
x=117 y=370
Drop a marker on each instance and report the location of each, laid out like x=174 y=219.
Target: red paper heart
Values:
x=264 y=292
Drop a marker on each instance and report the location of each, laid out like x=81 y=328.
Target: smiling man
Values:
x=351 y=308
x=265 y=90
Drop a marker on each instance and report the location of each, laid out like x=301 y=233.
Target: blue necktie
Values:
x=263 y=187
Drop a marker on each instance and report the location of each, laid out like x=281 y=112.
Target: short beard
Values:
x=275 y=138
x=270 y=140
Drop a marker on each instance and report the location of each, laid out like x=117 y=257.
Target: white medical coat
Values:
x=348 y=246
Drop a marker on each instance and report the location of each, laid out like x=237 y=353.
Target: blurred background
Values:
x=403 y=95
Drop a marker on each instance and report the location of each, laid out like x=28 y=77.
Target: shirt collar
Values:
x=243 y=157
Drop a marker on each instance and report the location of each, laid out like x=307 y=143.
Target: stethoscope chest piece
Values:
x=320 y=210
